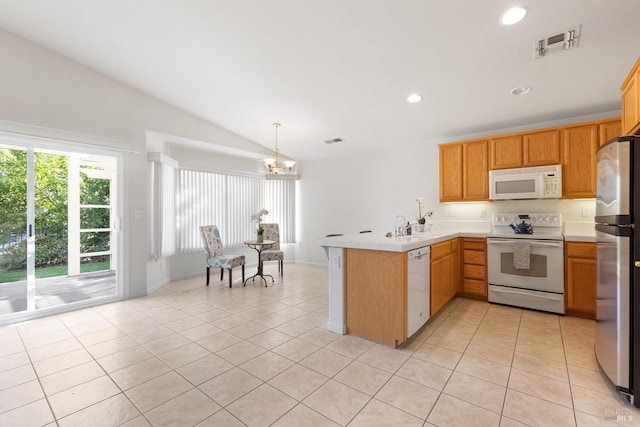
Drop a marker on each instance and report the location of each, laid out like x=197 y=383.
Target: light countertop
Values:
x=378 y=241
x=580 y=232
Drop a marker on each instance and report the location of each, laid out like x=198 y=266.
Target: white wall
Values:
x=180 y=266
x=339 y=195
x=41 y=88
x=366 y=192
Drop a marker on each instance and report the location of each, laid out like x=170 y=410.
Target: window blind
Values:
x=228 y=201
x=201 y=201
x=163 y=216
x=280 y=201
x=244 y=197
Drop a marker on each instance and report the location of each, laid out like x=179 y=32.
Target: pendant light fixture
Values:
x=276 y=165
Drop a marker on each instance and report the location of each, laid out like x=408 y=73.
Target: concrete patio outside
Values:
x=55 y=291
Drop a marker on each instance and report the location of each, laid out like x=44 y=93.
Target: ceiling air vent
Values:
x=556 y=42
x=333 y=141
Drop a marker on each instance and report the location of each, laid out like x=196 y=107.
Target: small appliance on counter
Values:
x=525 y=260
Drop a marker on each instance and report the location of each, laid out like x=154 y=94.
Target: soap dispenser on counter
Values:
x=408 y=229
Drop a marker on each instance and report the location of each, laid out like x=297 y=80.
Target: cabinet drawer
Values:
x=440 y=249
x=474 y=245
x=580 y=250
x=477 y=287
x=474 y=271
x=474 y=257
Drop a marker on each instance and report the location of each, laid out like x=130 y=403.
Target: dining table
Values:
x=259 y=246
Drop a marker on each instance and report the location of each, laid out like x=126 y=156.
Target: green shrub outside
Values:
x=50 y=251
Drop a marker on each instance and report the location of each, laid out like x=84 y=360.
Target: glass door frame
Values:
x=31 y=144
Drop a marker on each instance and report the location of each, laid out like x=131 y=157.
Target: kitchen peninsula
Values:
x=368 y=275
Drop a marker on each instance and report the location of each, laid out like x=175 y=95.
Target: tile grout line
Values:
x=183 y=301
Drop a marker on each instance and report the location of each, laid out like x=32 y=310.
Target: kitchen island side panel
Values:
x=376 y=295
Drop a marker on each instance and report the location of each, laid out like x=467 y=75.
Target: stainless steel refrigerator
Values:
x=618 y=258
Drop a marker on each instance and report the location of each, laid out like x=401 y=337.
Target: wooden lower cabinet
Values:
x=445 y=273
x=376 y=295
x=580 y=279
x=474 y=267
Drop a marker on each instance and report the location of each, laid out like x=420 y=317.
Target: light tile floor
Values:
x=256 y=356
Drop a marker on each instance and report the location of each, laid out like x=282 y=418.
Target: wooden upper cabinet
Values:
x=475 y=173
x=541 y=148
x=450 y=172
x=609 y=130
x=579 y=144
x=631 y=101
x=463 y=171
x=505 y=152
x=630 y=106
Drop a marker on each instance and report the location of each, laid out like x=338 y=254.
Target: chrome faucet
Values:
x=399 y=231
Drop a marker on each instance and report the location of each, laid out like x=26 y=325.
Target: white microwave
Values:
x=543 y=182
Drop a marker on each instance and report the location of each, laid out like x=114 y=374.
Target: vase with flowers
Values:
x=422 y=218
x=257 y=218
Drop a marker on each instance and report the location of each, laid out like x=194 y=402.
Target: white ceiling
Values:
x=343 y=68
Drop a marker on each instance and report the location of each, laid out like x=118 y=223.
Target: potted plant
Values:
x=422 y=219
x=257 y=217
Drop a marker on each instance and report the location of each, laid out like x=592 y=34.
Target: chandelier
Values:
x=276 y=165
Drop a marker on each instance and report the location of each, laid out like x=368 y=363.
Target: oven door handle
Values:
x=532 y=243
x=514 y=291
x=548 y=244
x=500 y=242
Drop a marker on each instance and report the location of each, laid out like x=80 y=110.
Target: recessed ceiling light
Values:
x=513 y=15
x=413 y=98
x=522 y=90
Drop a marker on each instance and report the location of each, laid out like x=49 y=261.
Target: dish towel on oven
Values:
x=521 y=254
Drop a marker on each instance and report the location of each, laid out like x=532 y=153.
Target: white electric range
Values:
x=527 y=270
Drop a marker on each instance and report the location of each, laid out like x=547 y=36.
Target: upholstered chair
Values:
x=215 y=257
x=273 y=253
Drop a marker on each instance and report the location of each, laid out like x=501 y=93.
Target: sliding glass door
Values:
x=57 y=219
x=13 y=229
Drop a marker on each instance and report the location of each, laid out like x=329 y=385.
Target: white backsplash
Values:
x=481 y=226
x=579 y=227
x=450 y=214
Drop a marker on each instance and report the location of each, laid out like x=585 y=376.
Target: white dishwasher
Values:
x=418 y=289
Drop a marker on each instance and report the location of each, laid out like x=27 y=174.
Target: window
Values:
x=205 y=198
